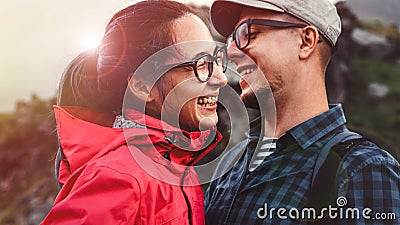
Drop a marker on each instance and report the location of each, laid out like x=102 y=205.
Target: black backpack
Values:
x=325 y=177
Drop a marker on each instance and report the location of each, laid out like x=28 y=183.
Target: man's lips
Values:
x=244 y=71
x=247 y=69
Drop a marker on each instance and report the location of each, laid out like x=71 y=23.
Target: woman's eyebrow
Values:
x=200 y=54
x=204 y=53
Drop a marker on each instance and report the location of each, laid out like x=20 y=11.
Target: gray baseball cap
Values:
x=320 y=13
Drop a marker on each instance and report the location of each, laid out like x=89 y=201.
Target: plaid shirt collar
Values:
x=312 y=130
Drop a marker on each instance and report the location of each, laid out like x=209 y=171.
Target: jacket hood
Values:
x=82 y=141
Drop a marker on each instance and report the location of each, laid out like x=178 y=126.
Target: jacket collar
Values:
x=83 y=141
x=178 y=146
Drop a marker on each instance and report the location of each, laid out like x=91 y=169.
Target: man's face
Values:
x=270 y=54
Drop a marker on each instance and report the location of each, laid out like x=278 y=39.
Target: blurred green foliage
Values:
x=27 y=147
x=379 y=27
x=377 y=70
x=378 y=116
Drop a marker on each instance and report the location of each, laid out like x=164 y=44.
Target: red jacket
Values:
x=107 y=181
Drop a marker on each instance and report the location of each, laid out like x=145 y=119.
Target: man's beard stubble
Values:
x=255 y=100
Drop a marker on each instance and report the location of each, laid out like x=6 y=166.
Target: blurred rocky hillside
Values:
x=27 y=147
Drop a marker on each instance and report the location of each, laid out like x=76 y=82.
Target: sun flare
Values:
x=90 y=42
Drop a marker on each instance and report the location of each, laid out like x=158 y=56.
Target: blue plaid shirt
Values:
x=369 y=178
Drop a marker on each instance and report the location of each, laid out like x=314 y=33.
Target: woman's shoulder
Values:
x=117 y=165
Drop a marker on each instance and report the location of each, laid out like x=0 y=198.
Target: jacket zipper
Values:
x=186 y=197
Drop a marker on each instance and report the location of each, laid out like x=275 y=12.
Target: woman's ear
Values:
x=309 y=41
x=141 y=89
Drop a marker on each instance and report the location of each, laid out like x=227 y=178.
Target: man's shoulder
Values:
x=367 y=153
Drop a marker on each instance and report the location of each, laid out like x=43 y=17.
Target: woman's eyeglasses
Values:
x=203 y=65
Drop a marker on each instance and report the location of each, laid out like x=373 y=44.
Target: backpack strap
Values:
x=325 y=179
x=324 y=183
x=341 y=137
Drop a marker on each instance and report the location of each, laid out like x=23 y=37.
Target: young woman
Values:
x=136 y=169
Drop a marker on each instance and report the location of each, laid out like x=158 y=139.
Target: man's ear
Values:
x=309 y=41
x=141 y=89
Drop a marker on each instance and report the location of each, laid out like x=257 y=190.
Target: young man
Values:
x=278 y=188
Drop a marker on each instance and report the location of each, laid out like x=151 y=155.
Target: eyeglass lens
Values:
x=203 y=68
x=242 y=35
x=205 y=65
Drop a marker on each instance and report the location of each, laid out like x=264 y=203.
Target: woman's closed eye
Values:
x=202 y=64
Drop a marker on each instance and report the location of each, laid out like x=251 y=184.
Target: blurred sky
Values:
x=40 y=37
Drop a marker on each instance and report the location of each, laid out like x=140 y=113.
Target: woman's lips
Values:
x=208 y=102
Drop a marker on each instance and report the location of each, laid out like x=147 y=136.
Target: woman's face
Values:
x=182 y=96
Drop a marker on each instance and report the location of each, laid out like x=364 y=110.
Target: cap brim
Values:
x=225 y=14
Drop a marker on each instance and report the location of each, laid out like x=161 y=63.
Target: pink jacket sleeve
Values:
x=103 y=196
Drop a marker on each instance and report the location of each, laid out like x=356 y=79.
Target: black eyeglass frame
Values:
x=212 y=58
x=264 y=22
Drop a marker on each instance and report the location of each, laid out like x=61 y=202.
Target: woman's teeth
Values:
x=207 y=101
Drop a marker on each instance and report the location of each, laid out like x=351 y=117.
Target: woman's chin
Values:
x=203 y=118
x=202 y=123
x=208 y=122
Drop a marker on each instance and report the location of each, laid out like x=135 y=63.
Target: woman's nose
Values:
x=218 y=77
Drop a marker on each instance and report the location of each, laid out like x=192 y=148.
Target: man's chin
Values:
x=249 y=99
x=252 y=100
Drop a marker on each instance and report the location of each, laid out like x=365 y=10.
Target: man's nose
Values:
x=234 y=54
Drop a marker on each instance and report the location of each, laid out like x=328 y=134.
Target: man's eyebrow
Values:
x=256 y=27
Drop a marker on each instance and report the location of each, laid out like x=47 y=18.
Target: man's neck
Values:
x=294 y=111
